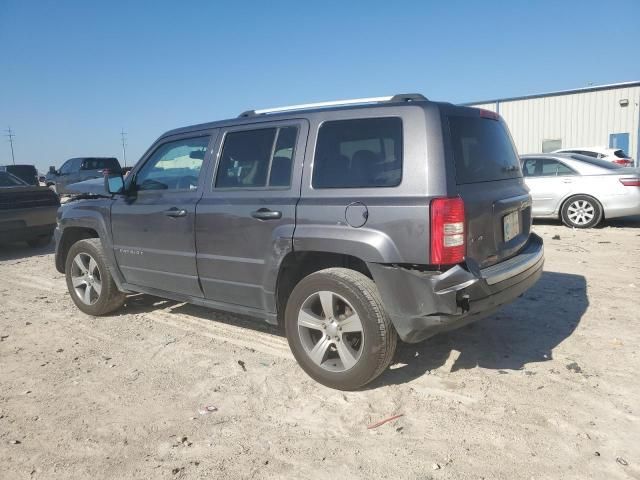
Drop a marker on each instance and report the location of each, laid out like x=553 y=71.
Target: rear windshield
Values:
x=482 y=150
x=597 y=162
x=8 y=180
x=27 y=173
x=620 y=154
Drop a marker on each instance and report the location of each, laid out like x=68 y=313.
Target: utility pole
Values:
x=10 y=136
x=124 y=146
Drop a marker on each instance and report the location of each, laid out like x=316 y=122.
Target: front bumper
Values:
x=422 y=304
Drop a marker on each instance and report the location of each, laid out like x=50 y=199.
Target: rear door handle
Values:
x=266 y=214
x=176 y=212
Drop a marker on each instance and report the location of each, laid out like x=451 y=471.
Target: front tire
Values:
x=338 y=330
x=581 y=211
x=89 y=281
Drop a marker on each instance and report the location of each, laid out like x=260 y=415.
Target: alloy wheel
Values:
x=330 y=331
x=581 y=212
x=86 y=278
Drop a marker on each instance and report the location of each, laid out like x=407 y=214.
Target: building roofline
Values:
x=594 y=88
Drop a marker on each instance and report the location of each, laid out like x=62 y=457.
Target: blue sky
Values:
x=73 y=74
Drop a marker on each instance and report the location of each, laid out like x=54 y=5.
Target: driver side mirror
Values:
x=114 y=183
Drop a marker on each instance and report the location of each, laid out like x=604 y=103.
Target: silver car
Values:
x=580 y=190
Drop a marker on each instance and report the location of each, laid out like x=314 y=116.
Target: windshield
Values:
x=597 y=162
x=482 y=150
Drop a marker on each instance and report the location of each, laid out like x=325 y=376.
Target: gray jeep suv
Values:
x=349 y=223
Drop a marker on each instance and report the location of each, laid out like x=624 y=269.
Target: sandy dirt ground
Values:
x=547 y=388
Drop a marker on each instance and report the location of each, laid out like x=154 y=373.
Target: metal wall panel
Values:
x=580 y=119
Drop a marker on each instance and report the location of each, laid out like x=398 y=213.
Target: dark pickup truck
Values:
x=27 y=212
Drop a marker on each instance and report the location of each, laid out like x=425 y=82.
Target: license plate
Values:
x=511 y=225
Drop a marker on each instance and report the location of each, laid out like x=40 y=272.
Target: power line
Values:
x=124 y=146
x=10 y=136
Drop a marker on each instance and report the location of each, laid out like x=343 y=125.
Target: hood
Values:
x=95 y=186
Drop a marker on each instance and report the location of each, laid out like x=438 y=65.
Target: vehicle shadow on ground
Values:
x=142 y=303
x=20 y=250
x=519 y=334
x=237 y=320
x=622 y=222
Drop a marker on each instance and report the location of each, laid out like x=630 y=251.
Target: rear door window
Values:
x=360 y=153
x=482 y=150
x=257 y=158
x=553 y=167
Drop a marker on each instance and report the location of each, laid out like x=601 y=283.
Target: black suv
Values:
x=350 y=223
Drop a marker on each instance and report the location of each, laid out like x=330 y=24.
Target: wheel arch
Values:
x=296 y=265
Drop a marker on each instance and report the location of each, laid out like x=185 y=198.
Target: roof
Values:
x=595 y=88
x=301 y=111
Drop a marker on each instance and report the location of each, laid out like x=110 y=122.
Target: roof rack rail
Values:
x=403 y=97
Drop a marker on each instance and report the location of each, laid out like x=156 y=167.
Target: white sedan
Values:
x=580 y=190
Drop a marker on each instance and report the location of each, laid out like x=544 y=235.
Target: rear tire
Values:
x=581 y=211
x=348 y=347
x=89 y=281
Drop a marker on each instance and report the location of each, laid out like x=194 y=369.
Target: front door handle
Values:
x=266 y=214
x=176 y=212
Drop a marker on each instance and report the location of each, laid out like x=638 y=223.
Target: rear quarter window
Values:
x=482 y=150
x=359 y=153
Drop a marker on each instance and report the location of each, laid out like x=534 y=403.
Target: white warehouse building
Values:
x=602 y=116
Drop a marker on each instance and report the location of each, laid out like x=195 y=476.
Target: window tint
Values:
x=173 y=166
x=587 y=153
x=529 y=167
x=482 y=150
x=280 y=175
x=67 y=167
x=359 y=154
x=249 y=157
x=620 y=154
x=553 y=167
x=26 y=173
x=101 y=164
x=8 y=180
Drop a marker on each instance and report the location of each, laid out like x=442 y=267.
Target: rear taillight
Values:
x=622 y=161
x=489 y=114
x=447 y=231
x=630 y=181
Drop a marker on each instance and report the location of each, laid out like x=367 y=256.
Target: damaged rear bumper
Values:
x=422 y=304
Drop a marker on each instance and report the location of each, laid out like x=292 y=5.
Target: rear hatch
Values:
x=484 y=170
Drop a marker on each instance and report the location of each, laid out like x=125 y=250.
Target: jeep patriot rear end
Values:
x=350 y=223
